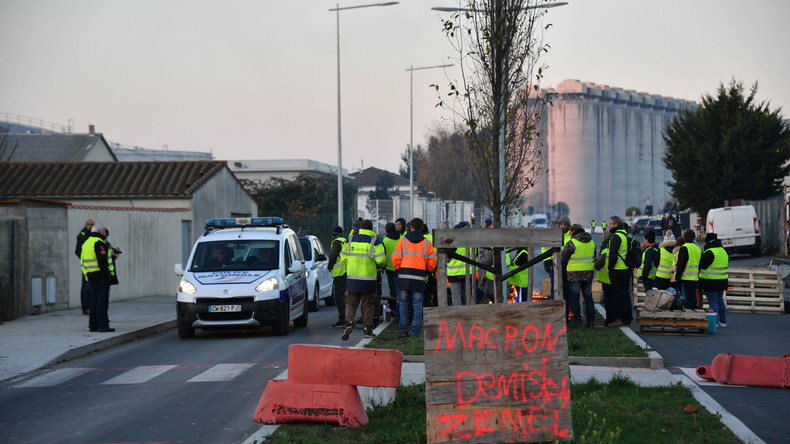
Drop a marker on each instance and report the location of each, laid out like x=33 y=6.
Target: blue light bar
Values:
x=244 y=222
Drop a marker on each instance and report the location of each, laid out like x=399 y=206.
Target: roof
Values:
x=49 y=147
x=104 y=179
x=370 y=176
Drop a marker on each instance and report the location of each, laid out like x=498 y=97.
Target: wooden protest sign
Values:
x=497 y=373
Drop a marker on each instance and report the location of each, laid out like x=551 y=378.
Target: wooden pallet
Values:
x=672 y=322
x=751 y=290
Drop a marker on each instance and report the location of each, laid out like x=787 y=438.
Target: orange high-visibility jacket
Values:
x=413 y=260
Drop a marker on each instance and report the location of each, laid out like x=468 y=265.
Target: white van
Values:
x=540 y=220
x=737 y=227
x=243 y=273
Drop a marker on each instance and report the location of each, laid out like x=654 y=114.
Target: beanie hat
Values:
x=710 y=237
x=565 y=220
x=489 y=222
x=576 y=228
x=356 y=224
x=337 y=230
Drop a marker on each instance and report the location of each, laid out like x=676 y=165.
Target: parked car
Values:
x=242 y=273
x=653 y=225
x=319 y=277
x=638 y=225
x=737 y=228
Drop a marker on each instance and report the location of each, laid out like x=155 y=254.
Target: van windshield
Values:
x=236 y=255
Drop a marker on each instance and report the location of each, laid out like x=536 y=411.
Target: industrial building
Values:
x=602 y=150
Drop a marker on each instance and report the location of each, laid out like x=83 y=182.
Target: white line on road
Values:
x=139 y=375
x=222 y=372
x=54 y=378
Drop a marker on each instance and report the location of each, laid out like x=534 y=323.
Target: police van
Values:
x=243 y=273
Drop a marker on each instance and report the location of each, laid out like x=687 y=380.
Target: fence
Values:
x=431 y=211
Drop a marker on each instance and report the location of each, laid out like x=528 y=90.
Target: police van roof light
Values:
x=244 y=222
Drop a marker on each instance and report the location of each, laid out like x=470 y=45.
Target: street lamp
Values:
x=337 y=9
x=411 y=70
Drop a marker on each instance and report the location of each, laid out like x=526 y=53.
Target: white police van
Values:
x=243 y=273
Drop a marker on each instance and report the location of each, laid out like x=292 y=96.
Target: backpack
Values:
x=633 y=254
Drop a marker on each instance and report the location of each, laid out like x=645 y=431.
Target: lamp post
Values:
x=411 y=70
x=337 y=9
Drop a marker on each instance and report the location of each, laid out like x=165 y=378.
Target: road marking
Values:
x=691 y=373
x=54 y=378
x=222 y=372
x=139 y=375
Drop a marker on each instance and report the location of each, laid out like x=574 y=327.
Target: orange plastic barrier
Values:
x=322 y=384
x=320 y=364
x=762 y=371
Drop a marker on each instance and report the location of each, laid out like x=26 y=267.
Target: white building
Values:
x=603 y=150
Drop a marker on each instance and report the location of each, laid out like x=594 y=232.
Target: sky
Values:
x=257 y=79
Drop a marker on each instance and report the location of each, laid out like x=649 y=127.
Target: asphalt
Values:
x=32 y=343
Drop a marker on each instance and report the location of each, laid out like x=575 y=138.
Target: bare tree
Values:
x=499 y=45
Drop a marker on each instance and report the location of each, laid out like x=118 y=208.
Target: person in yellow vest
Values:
x=520 y=280
x=713 y=276
x=85 y=288
x=647 y=272
x=663 y=262
x=337 y=265
x=579 y=255
x=687 y=269
x=602 y=276
x=112 y=258
x=456 y=272
x=365 y=255
x=430 y=297
x=95 y=266
x=619 y=273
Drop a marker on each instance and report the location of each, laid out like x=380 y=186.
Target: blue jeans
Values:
x=716 y=303
x=403 y=311
x=689 y=291
x=585 y=288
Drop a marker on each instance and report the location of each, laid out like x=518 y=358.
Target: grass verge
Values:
x=617 y=412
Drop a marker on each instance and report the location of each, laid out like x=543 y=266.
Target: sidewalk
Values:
x=32 y=342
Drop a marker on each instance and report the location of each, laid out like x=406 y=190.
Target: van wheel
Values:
x=301 y=321
x=281 y=324
x=185 y=330
x=313 y=305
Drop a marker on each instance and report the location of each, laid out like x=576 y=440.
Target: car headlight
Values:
x=186 y=287
x=268 y=285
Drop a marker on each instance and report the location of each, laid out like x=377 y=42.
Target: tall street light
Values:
x=411 y=70
x=337 y=9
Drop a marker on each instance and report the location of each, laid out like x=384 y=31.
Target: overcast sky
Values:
x=257 y=79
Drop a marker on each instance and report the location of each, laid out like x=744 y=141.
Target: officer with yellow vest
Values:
x=337 y=264
x=713 y=276
x=365 y=255
x=578 y=255
x=687 y=269
x=96 y=268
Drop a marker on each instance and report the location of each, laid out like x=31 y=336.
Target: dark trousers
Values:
x=621 y=295
x=689 y=290
x=85 y=293
x=548 y=267
x=339 y=293
x=98 y=304
x=583 y=288
x=608 y=303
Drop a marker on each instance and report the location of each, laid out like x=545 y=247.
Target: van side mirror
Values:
x=321 y=257
x=178 y=270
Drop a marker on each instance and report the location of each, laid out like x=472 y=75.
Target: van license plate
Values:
x=727 y=242
x=223 y=308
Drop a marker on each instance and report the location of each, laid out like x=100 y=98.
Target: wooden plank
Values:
x=498 y=237
x=497 y=373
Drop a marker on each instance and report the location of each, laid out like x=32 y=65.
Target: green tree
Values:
x=731 y=147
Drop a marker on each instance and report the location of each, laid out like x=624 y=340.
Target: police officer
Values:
x=96 y=268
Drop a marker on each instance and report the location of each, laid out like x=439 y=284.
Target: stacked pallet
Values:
x=754 y=290
x=672 y=322
x=751 y=290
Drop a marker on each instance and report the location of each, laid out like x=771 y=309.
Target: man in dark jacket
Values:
x=578 y=256
x=337 y=265
x=619 y=273
x=713 y=275
x=96 y=268
x=81 y=237
x=649 y=251
x=400 y=225
x=391 y=240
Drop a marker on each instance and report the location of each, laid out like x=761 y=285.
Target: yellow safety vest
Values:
x=359 y=265
x=665 y=264
x=88 y=259
x=520 y=279
x=718 y=268
x=582 y=258
x=691 y=272
x=652 y=273
x=603 y=274
x=339 y=267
